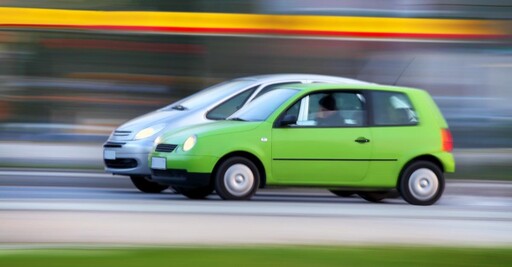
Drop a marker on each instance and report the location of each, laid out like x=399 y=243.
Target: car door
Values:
x=396 y=131
x=336 y=152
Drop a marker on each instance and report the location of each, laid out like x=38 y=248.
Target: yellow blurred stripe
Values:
x=249 y=23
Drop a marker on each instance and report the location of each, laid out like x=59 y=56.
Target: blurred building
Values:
x=62 y=84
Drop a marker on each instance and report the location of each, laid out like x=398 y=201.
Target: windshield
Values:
x=261 y=108
x=210 y=95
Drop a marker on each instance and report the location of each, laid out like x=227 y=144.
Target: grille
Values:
x=165 y=148
x=121 y=163
x=114 y=144
x=122 y=133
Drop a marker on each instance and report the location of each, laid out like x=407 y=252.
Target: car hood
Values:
x=208 y=129
x=152 y=118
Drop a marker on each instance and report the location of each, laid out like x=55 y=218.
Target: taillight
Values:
x=447 y=140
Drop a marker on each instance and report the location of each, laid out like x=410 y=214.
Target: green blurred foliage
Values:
x=296 y=256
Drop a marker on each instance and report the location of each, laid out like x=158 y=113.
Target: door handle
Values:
x=362 y=140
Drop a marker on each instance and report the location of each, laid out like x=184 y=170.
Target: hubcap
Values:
x=238 y=179
x=423 y=184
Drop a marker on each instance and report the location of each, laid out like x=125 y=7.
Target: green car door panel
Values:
x=320 y=155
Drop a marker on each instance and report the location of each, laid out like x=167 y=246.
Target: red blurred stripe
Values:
x=242 y=31
x=303 y=32
x=124 y=46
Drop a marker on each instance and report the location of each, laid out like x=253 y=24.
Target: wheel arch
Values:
x=251 y=157
x=426 y=157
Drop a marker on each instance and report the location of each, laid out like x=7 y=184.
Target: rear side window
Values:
x=393 y=109
x=271 y=87
x=230 y=106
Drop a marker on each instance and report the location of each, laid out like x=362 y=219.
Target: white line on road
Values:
x=59 y=174
x=263 y=209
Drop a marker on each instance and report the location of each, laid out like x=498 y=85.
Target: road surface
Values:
x=41 y=207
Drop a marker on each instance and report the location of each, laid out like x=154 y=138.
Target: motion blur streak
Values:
x=119 y=45
x=85 y=100
x=217 y=23
x=72 y=71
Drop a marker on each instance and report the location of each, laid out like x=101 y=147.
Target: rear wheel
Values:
x=194 y=193
x=144 y=184
x=237 y=178
x=421 y=183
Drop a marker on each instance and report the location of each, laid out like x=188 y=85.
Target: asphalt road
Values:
x=41 y=207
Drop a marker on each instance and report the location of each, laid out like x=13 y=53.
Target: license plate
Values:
x=158 y=163
x=109 y=154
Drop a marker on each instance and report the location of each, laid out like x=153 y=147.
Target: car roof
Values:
x=299 y=76
x=344 y=86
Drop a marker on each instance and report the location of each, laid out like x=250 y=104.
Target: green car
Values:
x=369 y=140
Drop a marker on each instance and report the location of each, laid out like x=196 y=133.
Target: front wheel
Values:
x=147 y=186
x=421 y=183
x=375 y=197
x=194 y=193
x=342 y=193
x=237 y=178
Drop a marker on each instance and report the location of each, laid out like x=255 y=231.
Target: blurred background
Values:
x=70 y=75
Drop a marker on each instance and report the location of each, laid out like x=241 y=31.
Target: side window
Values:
x=292 y=114
x=271 y=87
x=229 y=106
x=336 y=109
x=392 y=108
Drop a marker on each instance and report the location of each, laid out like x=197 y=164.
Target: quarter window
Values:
x=392 y=108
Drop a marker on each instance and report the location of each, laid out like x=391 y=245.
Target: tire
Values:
x=145 y=185
x=374 y=197
x=342 y=193
x=194 y=193
x=176 y=189
x=237 y=178
x=421 y=183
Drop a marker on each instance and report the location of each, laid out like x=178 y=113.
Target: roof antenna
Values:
x=403 y=71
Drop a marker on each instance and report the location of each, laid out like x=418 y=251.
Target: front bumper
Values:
x=184 y=170
x=183 y=178
x=131 y=157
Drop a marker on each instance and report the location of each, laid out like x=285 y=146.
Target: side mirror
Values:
x=288 y=120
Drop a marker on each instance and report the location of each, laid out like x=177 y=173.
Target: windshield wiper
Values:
x=236 y=119
x=179 y=107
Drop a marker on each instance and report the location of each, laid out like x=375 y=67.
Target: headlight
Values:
x=158 y=140
x=145 y=133
x=189 y=143
x=111 y=135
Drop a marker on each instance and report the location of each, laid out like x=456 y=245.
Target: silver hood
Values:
x=150 y=119
x=128 y=130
